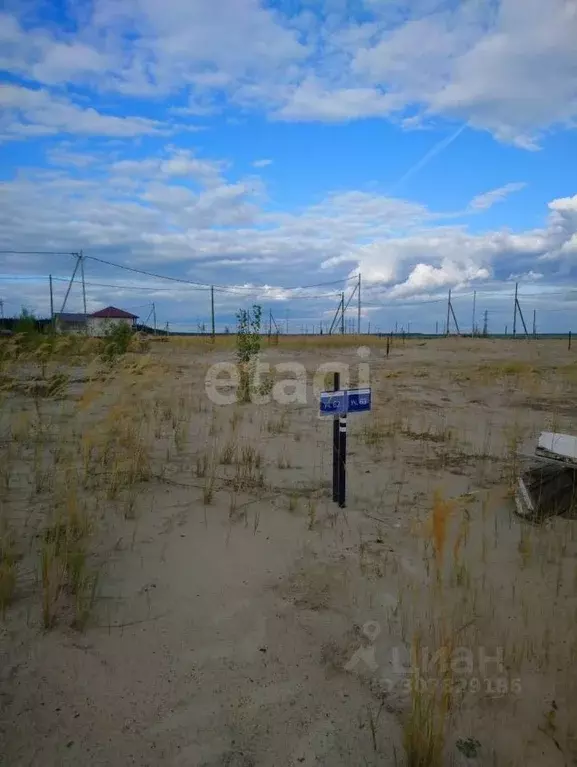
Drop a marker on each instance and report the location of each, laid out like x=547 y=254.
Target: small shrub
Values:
x=247 y=348
x=116 y=341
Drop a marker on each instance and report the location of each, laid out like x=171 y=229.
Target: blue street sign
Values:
x=345 y=401
x=358 y=400
x=333 y=402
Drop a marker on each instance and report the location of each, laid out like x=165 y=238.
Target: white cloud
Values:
x=488 y=199
x=158 y=213
x=312 y=101
x=506 y=66
x=31 y=112
x=261 y=163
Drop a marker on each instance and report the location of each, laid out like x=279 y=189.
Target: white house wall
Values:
x=98 y=326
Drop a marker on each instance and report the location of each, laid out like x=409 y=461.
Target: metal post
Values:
x=515 y=312
x=342 y=313
x=388 y=344
x=212 y=310
x=336 y=444
x=448 y=311
x=342 y=421
x=437 y=328
x=359 y=308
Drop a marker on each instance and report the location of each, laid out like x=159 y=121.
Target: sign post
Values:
x=336 y=445
x=338 y=403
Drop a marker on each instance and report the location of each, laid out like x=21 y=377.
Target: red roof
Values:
x=112 y=313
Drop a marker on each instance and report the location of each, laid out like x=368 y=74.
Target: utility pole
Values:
x=342 y=313
x=534 y=323
x=154 y=316
x=83 y=292
x=78 y=259
x=515 y=312
x=437 y=328
x=359 y=308
x=486 y=323
x=51 y=303
x=474 y=308
x=286 y=319
x=212 y=310
x=2 y=304
x=451 y=313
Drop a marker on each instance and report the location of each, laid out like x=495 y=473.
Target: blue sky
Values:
x=429 y=145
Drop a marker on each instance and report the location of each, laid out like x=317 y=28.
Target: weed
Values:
x=280 y=425
x=228 y=454
x=7 y=567
x=311 y=512
x=208 y=489
x=283 y=461
x=424 y=731
x=201 y=465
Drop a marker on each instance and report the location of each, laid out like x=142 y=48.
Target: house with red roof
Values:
x=104 y=320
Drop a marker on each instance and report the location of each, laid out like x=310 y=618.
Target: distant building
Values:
x=99 y=323
x=96 y=324
x=67 y=322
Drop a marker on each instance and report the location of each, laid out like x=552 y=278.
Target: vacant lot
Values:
x=177 y=587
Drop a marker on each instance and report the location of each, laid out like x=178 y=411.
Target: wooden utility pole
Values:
x=342 y=313
x=78 y=259
x=534 y=323
x=212 y=311
x=154 y=316
x=83 y=292
x=486 y=323
x=518 y=309
x=51 y=303
x=451 y=313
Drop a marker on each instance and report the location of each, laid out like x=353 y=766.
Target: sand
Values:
x=240 y=617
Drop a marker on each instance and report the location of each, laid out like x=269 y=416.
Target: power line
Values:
x=38 y=252
x=153 y=289
x=205 y=285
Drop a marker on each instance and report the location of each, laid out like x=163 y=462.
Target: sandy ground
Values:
x=240 y=618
